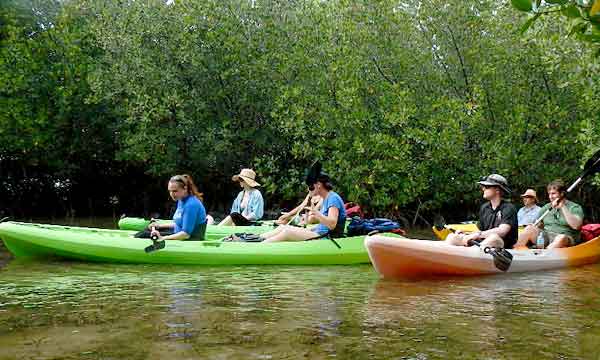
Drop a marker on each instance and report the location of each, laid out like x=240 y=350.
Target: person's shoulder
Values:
x=574 y=205
x=193 y=201
x=256 y=192
x=337 y=196
x=509 y=205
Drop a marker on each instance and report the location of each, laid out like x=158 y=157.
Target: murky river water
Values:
x=70 y=310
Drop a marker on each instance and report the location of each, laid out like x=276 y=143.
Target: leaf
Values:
x=557 y=2
x=578 y=28
x=571 y=11
x=522 y=5
x=528 y=23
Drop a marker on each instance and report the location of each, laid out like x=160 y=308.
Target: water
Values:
x=72 y=310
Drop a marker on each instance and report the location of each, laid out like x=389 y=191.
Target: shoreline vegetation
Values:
x=405 y=105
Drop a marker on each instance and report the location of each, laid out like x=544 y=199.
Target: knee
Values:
x=494 y=240
x=454 y=239
x=561 y=241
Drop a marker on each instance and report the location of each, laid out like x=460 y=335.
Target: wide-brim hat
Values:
x=248 y=175
x=495 y=180
x=530 y=193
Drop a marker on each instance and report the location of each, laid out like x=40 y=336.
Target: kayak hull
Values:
x=402 y=258
x=40 y=241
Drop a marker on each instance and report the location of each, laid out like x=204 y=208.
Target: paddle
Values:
x=591 y=167
x=156 y=244
x=502 y=258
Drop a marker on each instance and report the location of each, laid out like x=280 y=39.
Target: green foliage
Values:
x=405 y=104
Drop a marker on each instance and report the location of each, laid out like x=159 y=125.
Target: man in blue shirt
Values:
x=529 y=212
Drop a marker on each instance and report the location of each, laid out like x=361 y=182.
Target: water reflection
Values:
x=75 y=310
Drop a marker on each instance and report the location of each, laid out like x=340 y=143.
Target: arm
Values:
x=235 y=207
x=330 y=220
x=162 y=225
x=256 y=206
x=296 y=210
x=317 y=207
x=501 y=230
x=188 y=224
x=573 y=220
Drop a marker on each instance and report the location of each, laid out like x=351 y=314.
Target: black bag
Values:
x=239 y=220
x=244 y=237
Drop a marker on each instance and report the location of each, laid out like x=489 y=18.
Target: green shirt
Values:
x=556 y=222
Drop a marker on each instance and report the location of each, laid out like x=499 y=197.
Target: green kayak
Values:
x=212 y=231
x=26 y=240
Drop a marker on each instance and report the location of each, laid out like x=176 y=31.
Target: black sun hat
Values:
x=495 y=180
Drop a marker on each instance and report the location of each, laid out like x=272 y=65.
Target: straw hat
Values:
x=530 y=193
x=248 y=175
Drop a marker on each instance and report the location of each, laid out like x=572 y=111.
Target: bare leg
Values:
x=226 y=222
x=291 y=233
x=493 y=240
x=273 y=232
x=455 y=239
x=529 y=235
x=560 y=241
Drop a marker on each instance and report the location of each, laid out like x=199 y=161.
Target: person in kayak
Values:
x=189 y=220
x=248 y=206
x=529 y=212
x=561 y=226
x=331 y=218
x=312 y=201
x=497 y=217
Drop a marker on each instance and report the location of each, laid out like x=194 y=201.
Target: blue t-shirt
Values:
x=189 y=215
x=332 y=200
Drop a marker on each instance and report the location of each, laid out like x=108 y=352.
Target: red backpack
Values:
x=353 y=209
x=590 y=231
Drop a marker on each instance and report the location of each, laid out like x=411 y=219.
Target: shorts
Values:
x=550 y=236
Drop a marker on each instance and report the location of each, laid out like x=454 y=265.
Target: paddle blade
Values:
x=502 y=258
x=313 y=173
x=157 y=245
x=592 y=166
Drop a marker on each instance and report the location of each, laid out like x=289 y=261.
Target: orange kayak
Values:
x=402 y=257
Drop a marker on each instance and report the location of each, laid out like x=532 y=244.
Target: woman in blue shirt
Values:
x=248 y=206
x=331 y=217
x=189 y=220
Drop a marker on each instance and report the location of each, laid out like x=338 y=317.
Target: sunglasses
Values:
x=487 y=186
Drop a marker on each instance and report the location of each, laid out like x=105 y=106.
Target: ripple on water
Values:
x=293 y=312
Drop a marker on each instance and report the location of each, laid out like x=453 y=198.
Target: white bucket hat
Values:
x=248 y=175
